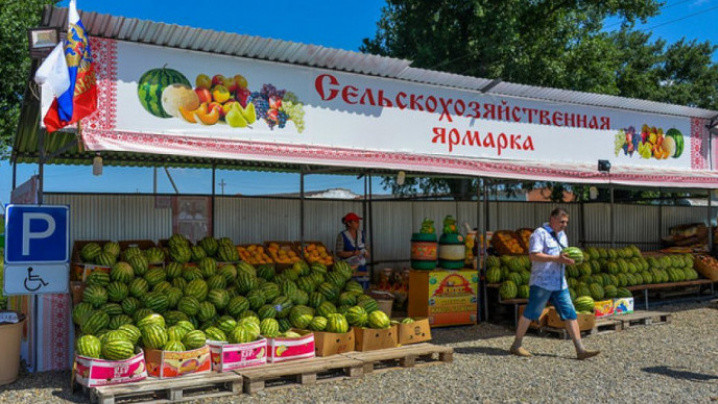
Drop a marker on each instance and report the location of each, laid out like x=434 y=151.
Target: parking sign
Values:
x=37 y=249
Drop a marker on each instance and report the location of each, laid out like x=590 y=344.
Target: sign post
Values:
x=37 y=249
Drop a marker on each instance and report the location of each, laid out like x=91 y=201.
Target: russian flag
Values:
x=70 y=73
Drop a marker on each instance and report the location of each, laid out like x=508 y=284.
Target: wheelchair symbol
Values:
x=33 y=280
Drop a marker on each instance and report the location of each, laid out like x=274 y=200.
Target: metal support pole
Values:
x=611 y=227
x=41 y=167
x=660 y=214
x=214 y=191
x=14 y=174
x=582 y=223
x=301 y=209
x=484 y=229
x=154 y=181
x=371 y=230
x=710 y=224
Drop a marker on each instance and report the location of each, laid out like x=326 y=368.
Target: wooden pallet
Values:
x=302 y=371
x=204 y=386
x=406 y=356
x=638 y=318
x=603 y=326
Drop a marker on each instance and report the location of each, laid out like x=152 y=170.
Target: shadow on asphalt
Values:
x=491 y=351
x=680 y=374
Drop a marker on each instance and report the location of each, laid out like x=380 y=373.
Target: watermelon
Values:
x=574 y=253
x=271 y=290
x=523 y=292
x=284 y=324
x=328 y=290
x=194 y=339
x=378 y=319
x=207 y=311
x=266 y=271
x=357 y=316
x=240 y=335
x=283 y=305
x=493 y=275
x=318 y=323
x=90 y=251
x=174 y=346
x=237 y=305
x=176 y=333
x=118 y=349
x=162 y=287
x=173 y=317
x=112 y=248
x=315 y=299
x=368 y=303
x=269 y=328
x=117 y=291
x=256 y=299
x=197 y=288
x=95 y=322
x=179 y=283
x=209 y=245
x=105 y=259
x=139 y=264
x=156 y=302
x=95 y=295
x=122 y=272
x=246 y=282
x=301 y=316
x=337 y=323
x=229 y=272
x=216 y=282
x=188 y=305
x=584 y=303
x=300 y=297
x=173 y=296
x=508 y=290
x=139 y=288
x=151 y=85
x=89 y=346
x=112 y=309
x=186 y=325
x=98 y=277
x=227 y=253
x=219 y=298
x=326 y=308
x=151 y=319
x=154 y=336
x=81 y=312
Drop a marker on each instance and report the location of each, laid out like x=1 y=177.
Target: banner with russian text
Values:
x=163 y=100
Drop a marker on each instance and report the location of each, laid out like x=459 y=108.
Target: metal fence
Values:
x=255 y=220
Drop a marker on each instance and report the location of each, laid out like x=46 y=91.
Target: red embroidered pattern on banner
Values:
x=699 y=137
x=56 y=332
x=104 y=53
x=259 y=151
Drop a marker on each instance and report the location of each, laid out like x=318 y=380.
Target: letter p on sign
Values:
x=36 y=234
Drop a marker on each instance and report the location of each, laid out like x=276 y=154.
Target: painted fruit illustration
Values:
x=152 y=84
x=179 y=95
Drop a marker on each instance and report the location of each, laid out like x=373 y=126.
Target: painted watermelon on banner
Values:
x=152 y=84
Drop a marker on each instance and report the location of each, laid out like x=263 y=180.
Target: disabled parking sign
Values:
x=37 y=249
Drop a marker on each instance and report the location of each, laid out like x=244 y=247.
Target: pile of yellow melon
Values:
x=317 y=253
x=282 y=254
x=254 y=254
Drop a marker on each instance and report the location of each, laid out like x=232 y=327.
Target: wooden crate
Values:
x=641 y=318
x=302 y=371
x=602 y=326
x=199 y=387
x=403 y=357
x=141 y=244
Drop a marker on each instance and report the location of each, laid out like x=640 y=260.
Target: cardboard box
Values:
x=227 y=356
x=369 y=339
x=92 y=372
x=446 y=297
x=331 y=343
x=413 y=333
x=585 y=321
x=542 y=318
x=622 y=305
x=284 y=349
x=166 y=364
x=604 y=308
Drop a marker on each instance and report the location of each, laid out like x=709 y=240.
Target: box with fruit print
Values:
x=283 y=349
x=91 y=372
x=226 y=356
x=167 y=364
x=167 y=93
x=604 y=308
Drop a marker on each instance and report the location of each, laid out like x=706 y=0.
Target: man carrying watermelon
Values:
x=549 y=283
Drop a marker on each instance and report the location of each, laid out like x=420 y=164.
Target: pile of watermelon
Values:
x=603 y=273
x=206 y=293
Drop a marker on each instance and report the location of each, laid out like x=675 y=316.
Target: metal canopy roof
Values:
x=25 y=147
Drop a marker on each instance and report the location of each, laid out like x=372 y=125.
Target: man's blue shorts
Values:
x=561 y=300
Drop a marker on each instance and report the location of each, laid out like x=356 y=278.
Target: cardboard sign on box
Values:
x=369 y=339
x=165 y=364
x=284 y=349
x=623 y=305
x=227 y=356
x=331 y=343
x=413 y=333
x=91 y=372
x=604 y=308
x=585 y=321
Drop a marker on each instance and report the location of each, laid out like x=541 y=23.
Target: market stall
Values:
x=277 y=105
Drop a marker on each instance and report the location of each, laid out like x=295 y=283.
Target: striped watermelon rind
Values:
x=151 y=85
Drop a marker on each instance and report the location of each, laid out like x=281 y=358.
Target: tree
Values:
x=553 y=43
x=16 y=16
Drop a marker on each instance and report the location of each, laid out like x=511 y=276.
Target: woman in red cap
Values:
x=350 y=245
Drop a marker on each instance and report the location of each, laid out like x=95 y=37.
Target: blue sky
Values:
x=338 y=24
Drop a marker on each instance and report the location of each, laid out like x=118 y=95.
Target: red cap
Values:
x=351 y=216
